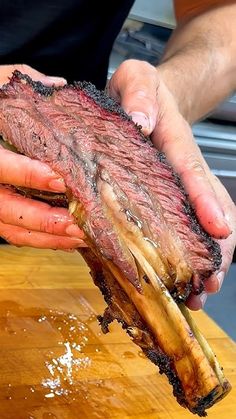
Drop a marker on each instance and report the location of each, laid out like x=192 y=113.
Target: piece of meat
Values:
x=106 y=156
x=147 y=251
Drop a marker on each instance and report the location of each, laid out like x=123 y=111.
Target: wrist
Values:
x=199 y=79
x=171 y=90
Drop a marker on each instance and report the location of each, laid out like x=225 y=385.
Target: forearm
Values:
x=199 y=63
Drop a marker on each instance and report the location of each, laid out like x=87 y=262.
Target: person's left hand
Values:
x=26 y=221
x=142 y=92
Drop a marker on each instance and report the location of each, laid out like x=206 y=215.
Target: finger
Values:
x=38 y=216
x=45 y=79
x=19 y=170
x=173 y=136
x=19 y=236
x=196 y=302
x=227 y=249
x=214 y=283
x=134 y=84
x=7 y=70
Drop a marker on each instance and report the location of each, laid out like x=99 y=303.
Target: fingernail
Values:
x=74 y=231
x=57 y=80
x=221 y=223
x=57 y=185
x=77 y=243
x=69 y=250
x=203 y=298
x=140 y=118
x=220 y=279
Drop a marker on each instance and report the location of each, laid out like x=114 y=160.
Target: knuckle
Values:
x=28 y=178
x=142 y=65
x=134 y=70
x=215 y=180
x=228 y=256
x=193 y=164
x=20 y=67
x=25 y=68
x=60 y=243
x=140 y=92
x=10 y=238
x=48 y=225
x=53 y=221
x=129 y=64
x=138 y=100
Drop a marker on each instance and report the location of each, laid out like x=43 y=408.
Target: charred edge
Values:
x=37 y=86
x=184 y=296
x=108 y=317
x=166 y=367
x=97 y=273
x=102 y=99
x=211 y=245
x=205 y=403
x=100 y=282
x=146 y=279
x=161 y=157
x=105 y=320
x=200 y=288
x=109 y=104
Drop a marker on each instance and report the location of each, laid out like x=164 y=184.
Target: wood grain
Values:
x=56 y=364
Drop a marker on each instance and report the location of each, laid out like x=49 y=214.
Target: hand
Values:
x=7 y=70
x=143 y=94
x=23 y=221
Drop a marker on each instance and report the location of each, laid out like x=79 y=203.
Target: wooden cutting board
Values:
x=56 y=364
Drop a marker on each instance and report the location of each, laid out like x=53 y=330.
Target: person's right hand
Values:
x=143 y=93
x=24 y=221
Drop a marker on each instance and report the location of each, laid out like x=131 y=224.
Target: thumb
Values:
x=47 y=80
x=38 y=76
x=134 y=85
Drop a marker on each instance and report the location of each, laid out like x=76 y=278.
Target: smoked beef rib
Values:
x=146 y=250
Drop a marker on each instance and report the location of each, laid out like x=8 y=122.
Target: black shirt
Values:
x=69 y=38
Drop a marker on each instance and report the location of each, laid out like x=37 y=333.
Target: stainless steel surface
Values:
x=155 y=12
x=218 y=145
x=227 y=110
